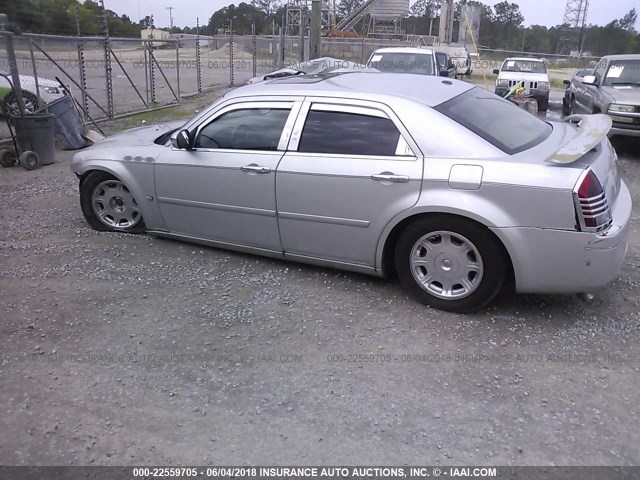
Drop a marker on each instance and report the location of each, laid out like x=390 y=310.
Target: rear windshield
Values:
x=498 y=121
x=420 y=63
x=525 y=66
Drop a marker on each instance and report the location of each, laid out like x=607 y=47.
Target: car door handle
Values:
x=383 y=177
x=255 y=169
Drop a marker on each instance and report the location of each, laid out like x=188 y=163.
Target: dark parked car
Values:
x=570 y=88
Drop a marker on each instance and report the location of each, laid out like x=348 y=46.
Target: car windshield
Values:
x=496 y=120
x=421 y=63
x=526 y=66
x=623 y=73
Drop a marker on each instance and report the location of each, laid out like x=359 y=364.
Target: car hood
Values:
x=531 y=77
x=138 y=136
x=624 y=94
x=28 y=82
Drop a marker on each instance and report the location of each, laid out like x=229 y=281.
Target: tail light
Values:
x=592 y=209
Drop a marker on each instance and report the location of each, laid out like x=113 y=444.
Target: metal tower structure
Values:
x=575 y=19
x=299 y=16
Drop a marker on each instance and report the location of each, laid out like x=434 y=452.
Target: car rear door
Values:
x=349 y=169
x=224 y=188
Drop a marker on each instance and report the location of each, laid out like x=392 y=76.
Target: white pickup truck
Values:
x=530 y=73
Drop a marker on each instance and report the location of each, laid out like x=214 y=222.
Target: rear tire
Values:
x=109 y=206
x=573 y=107
x=450 y=263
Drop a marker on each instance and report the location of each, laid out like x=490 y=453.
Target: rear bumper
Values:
x=558 y=261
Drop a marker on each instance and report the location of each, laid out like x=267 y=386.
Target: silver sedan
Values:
x=441 y=183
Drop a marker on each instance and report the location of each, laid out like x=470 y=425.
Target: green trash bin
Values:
x=36 y=132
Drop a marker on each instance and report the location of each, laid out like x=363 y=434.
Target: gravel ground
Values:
x=119 y=349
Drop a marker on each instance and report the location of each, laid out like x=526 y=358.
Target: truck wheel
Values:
x=450 y=263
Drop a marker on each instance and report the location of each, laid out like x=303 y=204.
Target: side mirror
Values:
x=590 y=80
x=567 y=82
x=496 y=71
x=180 y=139
x=444 y=73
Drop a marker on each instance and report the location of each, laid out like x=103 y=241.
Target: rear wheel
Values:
x=573 y=107
x=450 y=263
x=109 y=206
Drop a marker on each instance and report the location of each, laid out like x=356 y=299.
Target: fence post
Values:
x=198 y=70
x=302 y=23
x=35 y=70
x=13 y=63
x=107 y=63
x=281 y=59
x=152 y=72
x=254 y=50
x=178 y=68
x=231 y=52
x=82 y=71
x=146 y=72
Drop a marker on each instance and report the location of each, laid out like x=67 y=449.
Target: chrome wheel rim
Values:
x=446 y=265
x=29 y=106
x=114 y=205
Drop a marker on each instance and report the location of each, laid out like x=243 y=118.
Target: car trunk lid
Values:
x=589 y=147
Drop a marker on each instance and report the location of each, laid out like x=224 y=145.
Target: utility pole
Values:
x=171 y=9
x=315 y=47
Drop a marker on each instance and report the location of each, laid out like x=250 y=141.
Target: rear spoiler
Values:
x=591 y=130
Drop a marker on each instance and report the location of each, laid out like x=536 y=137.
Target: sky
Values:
x=536 y=12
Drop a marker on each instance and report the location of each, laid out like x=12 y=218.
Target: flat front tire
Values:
x=109 y=206
x=450 y=263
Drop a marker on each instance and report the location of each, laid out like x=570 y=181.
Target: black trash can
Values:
x=36 y=132
x=69 y=126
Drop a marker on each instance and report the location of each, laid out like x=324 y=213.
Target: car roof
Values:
x=425 y=51
x=623 y=57
x=427 y=89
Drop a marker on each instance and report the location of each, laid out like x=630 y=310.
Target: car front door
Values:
x=223 y=189
x=350 y=168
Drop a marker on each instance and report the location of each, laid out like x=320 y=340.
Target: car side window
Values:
x=244 y=129
x=340 y=132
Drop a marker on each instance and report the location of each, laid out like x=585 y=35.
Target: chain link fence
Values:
x=110 y=77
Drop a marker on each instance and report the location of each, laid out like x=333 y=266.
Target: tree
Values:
x=346 y=7
x=508 y=14
x=628 y=22
x=267 y=6
x=509 y=17
x=146 y=22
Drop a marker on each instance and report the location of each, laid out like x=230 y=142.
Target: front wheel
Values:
x=450 y=263
x=109 y=206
